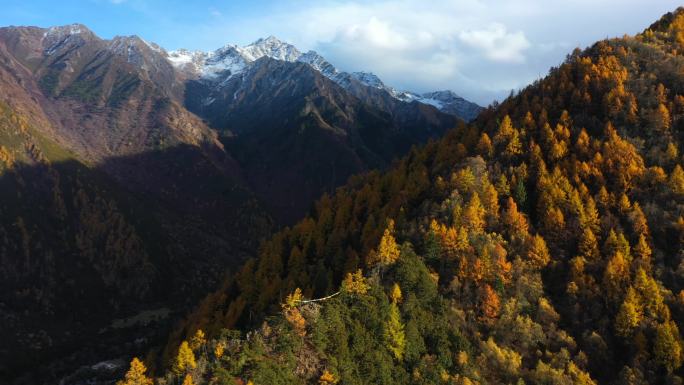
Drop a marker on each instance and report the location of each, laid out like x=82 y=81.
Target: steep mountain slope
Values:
x=540 y=245
x=122 y=207
x=116 y=199
x=297 y=134
x=296 y=125
x=90 y=83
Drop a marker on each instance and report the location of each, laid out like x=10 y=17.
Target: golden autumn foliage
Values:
x=489 y=303
x=552 y=225
x=355 y=283
x=327 y=378
x=188 y=380
x=506 y=361
x=474 y=215
x=508 y=138
x=642 y=254
x=292 y=313
x=667 y=347
x=136 y=374
x=538 y=253
x=515 y=221
x=588 y=246
x=395 y=294
x=219 y=349
x=394 y=333
x=616 y=276
x=388 y=250
x=630 y=314
x=293 y=299
x=185 y=359
x=296 y=320
x=676 y=180
x=198 y=340
x=484 y=146
x=649 y=292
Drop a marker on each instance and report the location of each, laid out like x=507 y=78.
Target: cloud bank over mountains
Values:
x=480 y=48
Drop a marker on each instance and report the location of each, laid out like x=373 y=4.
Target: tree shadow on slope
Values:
x=82 y=247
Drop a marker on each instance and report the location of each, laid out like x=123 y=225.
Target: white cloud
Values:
x=375 y=33
x=479 y=48
x=496 y=43
x=215 y=12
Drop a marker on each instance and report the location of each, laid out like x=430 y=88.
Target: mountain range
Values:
x=232 y=60
x=540 y=244
x=133 y=181
x=255 y=216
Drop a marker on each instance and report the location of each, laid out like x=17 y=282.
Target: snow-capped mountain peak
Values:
x=64 y=30
x=56 y=37
x=271 y=47
x=231 y=60
x=369 y=79
x=318 y=63
x=189 y=61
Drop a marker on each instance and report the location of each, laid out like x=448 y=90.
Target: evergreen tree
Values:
x=394 y=333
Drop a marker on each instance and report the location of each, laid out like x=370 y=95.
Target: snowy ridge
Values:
x=56 y=37
x=187 y=60
x=64 y=30
x=231 y=60
x=270 y=47
x=370 y=79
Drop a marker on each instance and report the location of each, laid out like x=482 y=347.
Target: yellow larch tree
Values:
x=490 y=303
x=198 y=340
x=394 y=333
x=219 y=349
x=667 y=347
x=630 y=314
x=396 y=295
x=136 y=374
x=355 y=283
x=616 y=276
x=388 y=250
x=185 y=360
x=484 y=146
x=538 y=253
x=327 y=378
x=292 y=313
x=474 y=215
x=188 y=380
x=676 y=180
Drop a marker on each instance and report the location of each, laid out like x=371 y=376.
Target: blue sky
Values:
x=479 y=48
